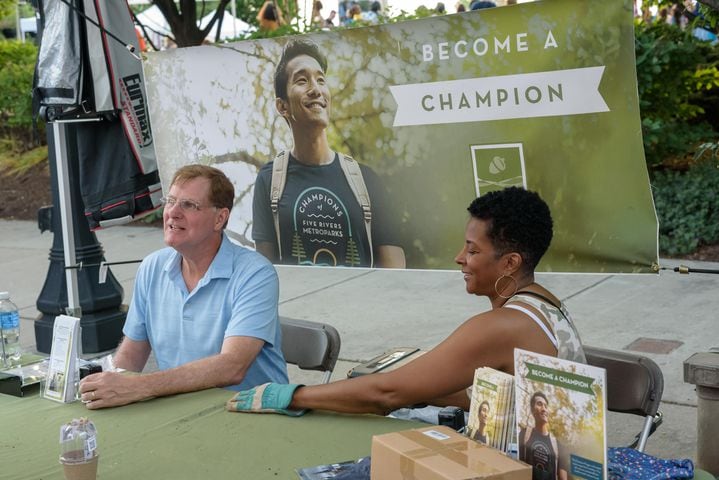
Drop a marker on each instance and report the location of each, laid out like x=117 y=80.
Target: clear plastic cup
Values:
x=78 y=449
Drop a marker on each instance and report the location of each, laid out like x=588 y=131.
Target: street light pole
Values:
x=98 y=305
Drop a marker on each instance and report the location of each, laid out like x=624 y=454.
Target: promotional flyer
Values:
x=561 y=417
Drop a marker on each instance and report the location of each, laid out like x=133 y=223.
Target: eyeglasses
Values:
x=185 y=204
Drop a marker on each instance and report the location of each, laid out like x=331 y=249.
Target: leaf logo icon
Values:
x=498 y=165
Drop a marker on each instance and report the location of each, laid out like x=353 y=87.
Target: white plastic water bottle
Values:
x=9 y=330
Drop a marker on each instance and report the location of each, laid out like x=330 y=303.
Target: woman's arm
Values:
x=483 y=340
x=459 y=399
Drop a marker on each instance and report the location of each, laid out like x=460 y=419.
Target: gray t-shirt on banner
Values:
x=539 y=452
x=321 y=222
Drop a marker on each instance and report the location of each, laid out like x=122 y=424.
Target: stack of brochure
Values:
x=491 y=413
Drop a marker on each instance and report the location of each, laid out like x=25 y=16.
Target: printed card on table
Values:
x=60 y=382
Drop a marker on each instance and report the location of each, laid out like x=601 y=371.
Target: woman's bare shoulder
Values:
x=501 y=330
x=498 y=321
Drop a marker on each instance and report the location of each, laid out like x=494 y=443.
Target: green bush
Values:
x=678 y=78
x=17 y=63
x=19 y=141
x=688 y=208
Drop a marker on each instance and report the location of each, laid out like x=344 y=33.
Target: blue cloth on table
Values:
x=630 y=464
x=623 y=464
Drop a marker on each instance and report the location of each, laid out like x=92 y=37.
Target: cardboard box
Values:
x=440 y=453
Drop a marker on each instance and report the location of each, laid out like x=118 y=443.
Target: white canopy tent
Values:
x=157 y=25
x=231 y=26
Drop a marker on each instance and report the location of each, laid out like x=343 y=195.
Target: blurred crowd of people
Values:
x=684 y=14
x=353 y=12
x=367 y=12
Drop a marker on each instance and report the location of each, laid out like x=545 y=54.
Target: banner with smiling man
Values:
x=429 y=114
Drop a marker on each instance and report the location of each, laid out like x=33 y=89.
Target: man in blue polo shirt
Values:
x=205 y=306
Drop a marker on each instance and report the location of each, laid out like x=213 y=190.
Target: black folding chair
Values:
x=634 y=385
x=310 y=345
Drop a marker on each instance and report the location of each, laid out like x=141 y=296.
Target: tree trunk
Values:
x=183 y=22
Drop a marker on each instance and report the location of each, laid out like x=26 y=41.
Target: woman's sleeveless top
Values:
x=557 y=325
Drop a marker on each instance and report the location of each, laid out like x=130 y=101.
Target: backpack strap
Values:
x=277 y=186
x=553 y=441
x=353 y=174
x=527 y=434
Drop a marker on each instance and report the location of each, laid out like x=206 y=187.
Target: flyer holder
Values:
x=63 y=374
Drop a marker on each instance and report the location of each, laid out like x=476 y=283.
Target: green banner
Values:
x=441 y=110
x=568 y=380
x=487 y=385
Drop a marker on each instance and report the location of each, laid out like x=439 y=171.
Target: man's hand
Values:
x=110 y=389
x=266 y=398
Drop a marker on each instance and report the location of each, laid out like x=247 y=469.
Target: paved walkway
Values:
x=377 y=310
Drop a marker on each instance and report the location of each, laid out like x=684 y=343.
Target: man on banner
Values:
x=206 y=307
x=538 y=447
x=312 y=205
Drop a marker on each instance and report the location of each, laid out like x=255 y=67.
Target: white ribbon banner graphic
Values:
x=541 y=94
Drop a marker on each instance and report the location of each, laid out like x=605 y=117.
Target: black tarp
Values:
x=86 y=71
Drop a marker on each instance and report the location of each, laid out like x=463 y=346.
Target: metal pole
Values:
x=702 y=370
x=19 y=33
x=103 y=314
x=234 y=18
x=68 y=236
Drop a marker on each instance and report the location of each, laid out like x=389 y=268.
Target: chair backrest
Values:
x=310 y=345
x=634 y=385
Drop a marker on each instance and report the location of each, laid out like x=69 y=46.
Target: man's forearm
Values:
x=219 y=370
x=111 y=389
x=131 y=355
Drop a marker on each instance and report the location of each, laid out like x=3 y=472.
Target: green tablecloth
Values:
x=187 y=436
x=703 y=475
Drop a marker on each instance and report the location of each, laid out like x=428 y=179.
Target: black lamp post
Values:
x=101 y=312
